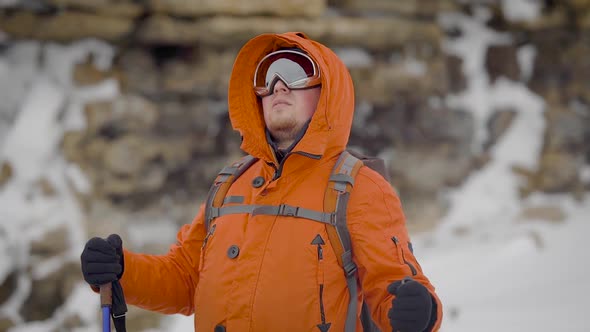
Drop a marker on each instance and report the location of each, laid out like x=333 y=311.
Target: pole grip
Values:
x=106 y=295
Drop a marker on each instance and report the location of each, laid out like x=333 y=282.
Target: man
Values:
x=248 y=271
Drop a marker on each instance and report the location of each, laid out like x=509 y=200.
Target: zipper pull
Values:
x=317 y=240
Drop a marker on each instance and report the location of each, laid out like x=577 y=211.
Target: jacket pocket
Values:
x=400 y=255
x=204 y=246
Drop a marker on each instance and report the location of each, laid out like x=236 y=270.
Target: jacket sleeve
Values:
x=381 y=245
x=166 y=283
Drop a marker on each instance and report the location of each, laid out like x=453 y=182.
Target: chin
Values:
x=282 y=133
x=281 y=127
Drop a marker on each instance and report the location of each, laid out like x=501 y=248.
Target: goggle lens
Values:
x=295 y=69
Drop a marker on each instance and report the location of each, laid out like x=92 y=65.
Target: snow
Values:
x=507 y=281
x=81 y=302
x=33 y=139
x=354 y=57
x=493 y=270
x=18 y=64
x=492 y=193
x=46 y=100
x=472 y=48
x=526 y=61
x=521 y=10
x=151 y=231
x=414 y=67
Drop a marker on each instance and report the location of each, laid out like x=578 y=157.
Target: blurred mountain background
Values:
x=113 y=119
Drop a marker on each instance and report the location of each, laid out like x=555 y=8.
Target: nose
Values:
x=280 y=86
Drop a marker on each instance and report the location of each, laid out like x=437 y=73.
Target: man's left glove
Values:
x=411 y=307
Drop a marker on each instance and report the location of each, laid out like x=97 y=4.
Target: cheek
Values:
x=266 y=106
x=309 y=109
x=310 y=104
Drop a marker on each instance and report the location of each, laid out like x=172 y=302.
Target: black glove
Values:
x=102 y=260
x=411 y=308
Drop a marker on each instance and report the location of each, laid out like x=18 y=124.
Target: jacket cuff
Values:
x=433 y=315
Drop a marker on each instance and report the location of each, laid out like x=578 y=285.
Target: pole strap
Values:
x=119 y=307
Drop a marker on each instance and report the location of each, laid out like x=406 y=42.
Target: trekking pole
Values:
x=106 y=302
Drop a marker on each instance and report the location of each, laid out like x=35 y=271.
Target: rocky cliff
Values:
x=152 y=151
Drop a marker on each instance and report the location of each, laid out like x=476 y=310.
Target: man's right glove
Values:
x=411 y=309
x=102 y=260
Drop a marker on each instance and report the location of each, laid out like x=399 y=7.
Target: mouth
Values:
x=280 y=102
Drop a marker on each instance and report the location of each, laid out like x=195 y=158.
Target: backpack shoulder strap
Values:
x=221 y=185
x=336 y=201
x=336 y=198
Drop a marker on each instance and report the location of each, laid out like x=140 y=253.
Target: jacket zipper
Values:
x=322 y=326
x=204 y=245
x=279 y=169
x=400 y=255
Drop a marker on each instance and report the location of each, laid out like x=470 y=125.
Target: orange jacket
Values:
x=273 y=282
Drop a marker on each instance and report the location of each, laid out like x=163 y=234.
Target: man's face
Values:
x=286 y=111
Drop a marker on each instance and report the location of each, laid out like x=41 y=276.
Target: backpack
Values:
x=336 y=197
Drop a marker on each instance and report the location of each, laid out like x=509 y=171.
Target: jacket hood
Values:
x=330 y=126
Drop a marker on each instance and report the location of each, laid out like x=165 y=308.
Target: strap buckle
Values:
x=350 y=268
x=332 y=218
x=288 y=210
x=213 y=212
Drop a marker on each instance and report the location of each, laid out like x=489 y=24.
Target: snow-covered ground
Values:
x=527 y=277
x=499 y=273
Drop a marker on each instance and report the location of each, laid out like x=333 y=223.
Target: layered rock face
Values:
x=152 y=152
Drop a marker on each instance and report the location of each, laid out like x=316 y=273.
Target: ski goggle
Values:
x=296 y=69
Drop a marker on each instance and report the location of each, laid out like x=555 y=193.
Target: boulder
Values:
x=68 y=26
x=195 y=8
x=378 y=33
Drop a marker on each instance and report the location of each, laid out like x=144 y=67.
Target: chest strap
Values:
x=275 y=210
